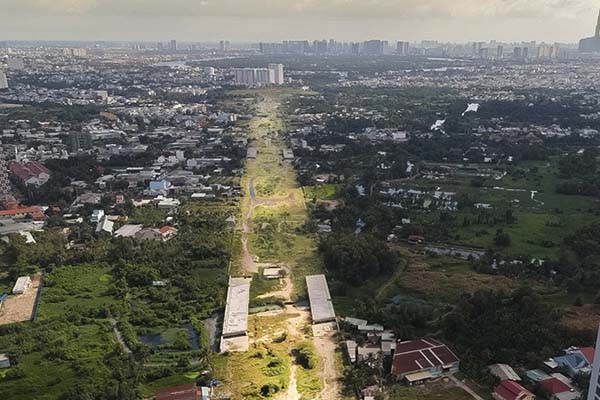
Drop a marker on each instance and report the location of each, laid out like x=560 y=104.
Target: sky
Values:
x=274 y=20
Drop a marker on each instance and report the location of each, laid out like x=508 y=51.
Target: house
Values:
x=128 y=230
x=157 y=186
x=31 y=174
x=510 y=390
x=504 y=372
x=251 y=153
x=149 y=234
x=34 y=212
x=559 y=390
x=87 y=198
x=351 y=347
x=167 y=232
x=368 y=352
x=574 y=361
x=272 y=273
x=4 y=361
x=416 y=239
x=537 y=375
x=419 y=360
x=181 y=392
x=22 y=284
x=97 y=216
x=288 y=154
x=105 y=227
x=167 y=203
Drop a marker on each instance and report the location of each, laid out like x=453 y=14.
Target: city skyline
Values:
x=260 y=20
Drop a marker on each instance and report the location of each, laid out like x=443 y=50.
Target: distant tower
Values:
x=594 y=389
x=598 y=26
x=3 y=80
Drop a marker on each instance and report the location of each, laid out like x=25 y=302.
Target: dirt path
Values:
x=465 y=388
x=119 y=337
x=326 y=347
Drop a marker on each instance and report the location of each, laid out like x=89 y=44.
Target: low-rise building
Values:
x=559 y=390
x=510 y=390
x=22 y=284
x=4 y=361
x=416 y=361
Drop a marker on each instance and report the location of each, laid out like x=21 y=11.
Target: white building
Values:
x=259 y=76
x=97 y=216
x=594 y=389
x=278 y=77
x=23 y=283
x=3 y=80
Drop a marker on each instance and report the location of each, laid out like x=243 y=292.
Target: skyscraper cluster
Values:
x=331 y=47
x=273 y=75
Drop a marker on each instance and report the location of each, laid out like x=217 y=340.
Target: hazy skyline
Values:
x=255 y=20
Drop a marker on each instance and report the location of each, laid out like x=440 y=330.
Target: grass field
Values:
x=543 y=219
x=85 y=289
x=266 y=366
x=321 y=192
x=429 y=391
x=56 y=355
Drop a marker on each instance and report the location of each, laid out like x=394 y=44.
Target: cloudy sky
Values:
x=252 y=20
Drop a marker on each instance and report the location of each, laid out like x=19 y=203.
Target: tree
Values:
x=502 y=239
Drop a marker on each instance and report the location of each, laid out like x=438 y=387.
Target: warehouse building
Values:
x=321 y=307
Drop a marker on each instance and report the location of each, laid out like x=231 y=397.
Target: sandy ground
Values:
x=19 y=308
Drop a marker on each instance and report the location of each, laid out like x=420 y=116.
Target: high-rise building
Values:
x=499 y=52
x=591 y=44
x=402 y=48
x=517 y=53
x=278 y=77
x=594 y=388
x=80 y=141
x=224 y=46
x=3 y=80
x=173 y=45
x=373 y=47
x=253 y=76
x=5 y=190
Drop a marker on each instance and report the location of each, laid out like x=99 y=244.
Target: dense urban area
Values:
x=299 y=220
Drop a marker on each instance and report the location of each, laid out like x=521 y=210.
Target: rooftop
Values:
x=235 y=321
x=321 y=306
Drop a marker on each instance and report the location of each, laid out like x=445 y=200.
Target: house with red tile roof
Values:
x=559 y=390
x=35 y=212
x=510 y=390
x=416 y=361
x=32 y=173
x=181 y=392
x=167 y=232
